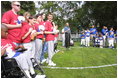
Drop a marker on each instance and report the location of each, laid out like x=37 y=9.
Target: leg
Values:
x=38 y=45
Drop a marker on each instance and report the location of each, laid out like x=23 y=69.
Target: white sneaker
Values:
x=40 y=76
x=47 y=60
x=51 y=63
x=57 y=51
x=44 y=60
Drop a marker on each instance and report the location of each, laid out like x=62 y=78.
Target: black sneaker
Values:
x=33 y=75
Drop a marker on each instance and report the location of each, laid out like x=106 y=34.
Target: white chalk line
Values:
x=79 y=67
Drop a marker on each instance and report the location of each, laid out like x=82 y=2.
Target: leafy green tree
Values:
x=25 y=6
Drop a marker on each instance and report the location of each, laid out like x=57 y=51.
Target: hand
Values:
x=31 y=29
x=41 y=32
x=19 y=25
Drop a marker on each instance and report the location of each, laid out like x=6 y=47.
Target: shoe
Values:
x=40 y=76
x=51 y=63
x=47 y=61
x=57 y=51
x=33 y=75
x=44 y=60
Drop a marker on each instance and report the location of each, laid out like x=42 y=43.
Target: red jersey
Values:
x=10 y=17
x=49 y=27
x=5 y=43
x=56 y=35
x=42 y=23
x=25 y=29
x=39 y=35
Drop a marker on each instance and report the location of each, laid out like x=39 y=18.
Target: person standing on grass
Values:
x=39 y=37
x=10 y=19
x=83 y=37
x=56 y=40
x=87 y=33
x=50 y=38
x=111 y=38
x=63 y=37
x=101 y=41
x=104 y=33
x=45 y=45
x=93 y=32
x=67 y=32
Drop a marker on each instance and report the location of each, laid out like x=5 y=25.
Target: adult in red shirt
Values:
x=50 y=39
x=10 y=20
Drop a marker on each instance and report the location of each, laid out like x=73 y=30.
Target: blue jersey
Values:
x=100 y=38
x=67 y=29
x=87 y=34
x=111 y=36
x=83 y=36
x=110 y=32
x=104 y=31
x=93 y=31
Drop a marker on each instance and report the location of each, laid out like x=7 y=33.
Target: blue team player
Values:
x=93 y=32
x=83 y=36
x=87 y=40
x=104 y=33
x=111 y=39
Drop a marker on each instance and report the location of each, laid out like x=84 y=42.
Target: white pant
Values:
x=22 y=61
x=33 y=49
x=111 y=42
x=50 y=49
x=104 y=40
x=28 y=52
x=38 y=49
x=55 y=40
x=87 y=41
x=63 y=39
x=101 y=43
x=82 y=41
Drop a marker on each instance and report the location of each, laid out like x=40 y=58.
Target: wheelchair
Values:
x=11 y=69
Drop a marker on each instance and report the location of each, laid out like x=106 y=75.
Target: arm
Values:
x=48 y=32
x=30 y=30
x=3 y=51
x=10 y=26
x=40 y=32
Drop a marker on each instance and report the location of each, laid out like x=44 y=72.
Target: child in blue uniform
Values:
x=83 y=36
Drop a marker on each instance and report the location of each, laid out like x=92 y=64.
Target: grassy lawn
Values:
x=84 y=57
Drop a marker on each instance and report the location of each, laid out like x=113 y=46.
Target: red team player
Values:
x=50 y=39
x=39 y=38
x=10 y=19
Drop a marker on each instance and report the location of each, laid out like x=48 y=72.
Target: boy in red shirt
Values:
x=38 y=42
x=7 y=47
x=10 y=19
x=27 y=30
x=56 y=39
x=50 y=39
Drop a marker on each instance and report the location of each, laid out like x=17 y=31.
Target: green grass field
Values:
x=83 y=57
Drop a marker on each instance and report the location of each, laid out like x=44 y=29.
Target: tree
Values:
x=25 y=6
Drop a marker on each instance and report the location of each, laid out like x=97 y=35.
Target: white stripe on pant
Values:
x=50 y=49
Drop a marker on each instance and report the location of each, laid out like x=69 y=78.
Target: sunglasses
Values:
x=17 y=5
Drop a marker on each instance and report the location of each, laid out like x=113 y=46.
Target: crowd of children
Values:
x=31 y=33
x=105 y=38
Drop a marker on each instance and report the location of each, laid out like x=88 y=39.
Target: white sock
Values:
x=32 y=70
x=27 y=73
